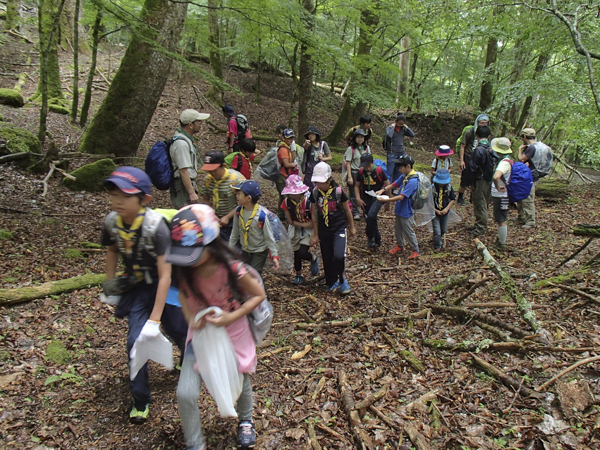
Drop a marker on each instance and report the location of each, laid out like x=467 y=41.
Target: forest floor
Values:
x=63 y=368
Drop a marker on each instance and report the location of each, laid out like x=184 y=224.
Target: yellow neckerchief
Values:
x=441 y=161
x=325 y=210
x=128 y=234
x=441 y=198
x=245 y=226
x=215 y=197
x=300 y=208
x=406 y=177
x=369 y=179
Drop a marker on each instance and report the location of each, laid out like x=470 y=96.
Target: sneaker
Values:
x=298 y=280
x=498 y=246
x=345 y=288
x=314 y=265
x=334 y=286
x=475 y=233
x=414 y=255
x=246 y=435
x=139 y=417
x=395 y=250
x=371 y=243
x=437 y=250
x=461 y=201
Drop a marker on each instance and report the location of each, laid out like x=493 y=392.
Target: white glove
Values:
x=109 y=299
x=150 y=331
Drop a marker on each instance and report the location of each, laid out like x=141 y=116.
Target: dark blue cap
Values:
x=130 y=180
x=249 y=187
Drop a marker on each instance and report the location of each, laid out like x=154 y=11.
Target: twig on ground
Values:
x=567 y=370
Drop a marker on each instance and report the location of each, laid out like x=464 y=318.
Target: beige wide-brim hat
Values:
x=502 y=145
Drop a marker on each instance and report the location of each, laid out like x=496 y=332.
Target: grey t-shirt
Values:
x=355 y=159
x=183 y=156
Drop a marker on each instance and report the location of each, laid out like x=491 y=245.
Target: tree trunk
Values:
x=404 y=84
x=87 y=99
x=305 y=72
x=542 y=62
x=75 y=103
x=353 y=107
x=259 y=69
x=129 y=105
x=487 y=86
x=12 y=15
x=293 y=110
x=216 y=63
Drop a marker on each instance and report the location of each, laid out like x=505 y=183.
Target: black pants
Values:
x=333 y=252
x=355 y=208
x=302 y=254
x=256 y=260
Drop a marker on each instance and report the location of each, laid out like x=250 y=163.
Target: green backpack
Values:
x=459 y=140
x=229 y=159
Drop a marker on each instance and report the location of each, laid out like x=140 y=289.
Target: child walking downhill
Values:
x=370 y=178
x=252 y=228
x=297 y=208
x=210 y=274
x=332 y=221
x=140 y=236
x=357 y=148
x=443 y=199
x=407 y=184
x=442 y=160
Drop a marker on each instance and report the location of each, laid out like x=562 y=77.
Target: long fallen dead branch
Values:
x=515 y=346
x=472 y=289
x=510 y=287
x=573 y=290
x=351 y=321
x=567 y=370
x=505 y=379
x=406 y=354
x=361 y=437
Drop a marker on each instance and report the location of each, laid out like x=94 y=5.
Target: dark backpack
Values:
x=520 y=181
x=158 y=165
x=489 y=164
x=243 y=127
x=378 y=174
x=337 y=195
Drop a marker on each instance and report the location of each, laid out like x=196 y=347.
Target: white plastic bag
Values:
x=426 y=214
x=217 y=363
x=158 y=349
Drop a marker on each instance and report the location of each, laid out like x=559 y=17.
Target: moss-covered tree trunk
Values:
x=75 y=102
x=87 y=98
x=305 y=72
x=12 y=15
x=355 y=107
x=127 y=109
x=214 y=54
x=487 y=85
x=49 y=69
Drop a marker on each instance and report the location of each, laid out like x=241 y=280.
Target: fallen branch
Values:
x=26 y=294
x=312 y=436
x=406 y=354
x=274 y=352
x=416 y=438
x=351 y=321
x=573 y=169
x=358 y=249
x=19 y=35
x=449 y=283
x=582 y=229
x=567 y=370
x=423 y=399
x=14 y=157
x=592 y=261
x=504 y=378
x=492 y=329
x=472 y=347
x=335 y=434
x=498 y=305
x=360 y=436
x=509 y=285
x=473 y=288
x=300 y=311
x=45 y=181
x=371 y=398
x=577 y=252
x=572 y=290
x=463 y=313
x=385 y=419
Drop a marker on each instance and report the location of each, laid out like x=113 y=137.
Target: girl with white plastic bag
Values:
x=209 y=274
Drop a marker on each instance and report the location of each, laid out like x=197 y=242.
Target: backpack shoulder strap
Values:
x=338 y=193
x=237 y=210
x=262 y=216
x=110 y=224
x=152 y=221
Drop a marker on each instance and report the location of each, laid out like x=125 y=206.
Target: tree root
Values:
x=416 y=438
x=567 y=370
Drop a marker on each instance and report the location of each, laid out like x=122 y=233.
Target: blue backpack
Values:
x=158 y=165
x=520 y=182
x=383 y=165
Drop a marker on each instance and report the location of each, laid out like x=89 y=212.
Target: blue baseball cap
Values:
x=288 y=133
x=249 y=187
x=442 y=176
x=130 y=180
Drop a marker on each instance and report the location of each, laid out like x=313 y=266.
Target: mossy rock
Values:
x=20 y=140
x=11 y=97
x=57 y=353
x=58 y=109
x=6 y=235
x=90 y=177
x=552 y=188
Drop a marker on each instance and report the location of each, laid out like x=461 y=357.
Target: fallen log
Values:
x=25 y=294
x=472 y=347
x=582 y=229
x=498 y=305
x=361 y=438
x=510 y=287
x=406 y=354
x=572 y=290
x=351 y=321
x=504 y=378
x=490 y=320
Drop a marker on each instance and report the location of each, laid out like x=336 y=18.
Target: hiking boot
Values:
x=334 y=286
x=345 y=288
x=314 y=265
x=476 y=233
x=246 y=435
x=498 y=246
x=298 y=280
x=396 y=249
x=414 y=255
x=137 y=416
x=437 y=250
x=461 y=201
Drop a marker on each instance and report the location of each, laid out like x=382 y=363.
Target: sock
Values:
x=502 y=232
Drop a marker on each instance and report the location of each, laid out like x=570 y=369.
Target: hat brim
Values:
x=123 y=185
x=287 y=191
x=442 y=180
x=502 y=151
x=437 y=153
x=202 y=116
x=318 y=179
x=210 y=166
x=365 y=164
x=183 y=256
x=237 y=186
x=318 y=135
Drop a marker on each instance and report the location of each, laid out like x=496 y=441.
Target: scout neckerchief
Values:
x=406 y=178
x=369 y=178
x=215 y=197
x=245 y=226
x=441 y=198
x=300 y=208
x=128 y=234
x=191 y=138
x=440 y=161
x=325 y=210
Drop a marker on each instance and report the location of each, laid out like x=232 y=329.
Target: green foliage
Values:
x=19 y=140
x=64 y=377
x=72 y=253
x=57 y=353
x=6 y=235
x=90 y=176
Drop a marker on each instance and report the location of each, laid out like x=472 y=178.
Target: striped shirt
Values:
x=221 y=195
